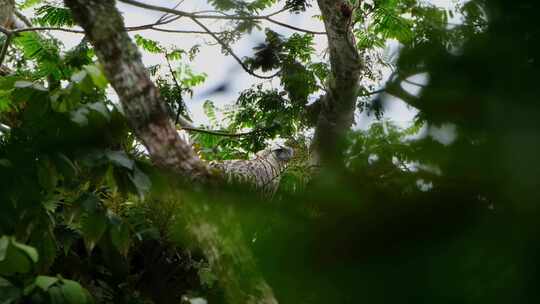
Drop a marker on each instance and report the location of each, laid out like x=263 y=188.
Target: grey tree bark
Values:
x=7 y=9
x=228 y=255
x=123 y=67
x=335 y=110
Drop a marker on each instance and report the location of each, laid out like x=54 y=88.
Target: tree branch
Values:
x=228 y=48
x=224 y=134
x=195 y=15
x=152 y=27
x=5 y=47
x=372 y=92
x=221 y=15
x=166 y=15
x=144 y=110
x=129 y=29
x=294 y=27
x=183 y=31
x=62 y=29
x=179 y=87
x=23 y=18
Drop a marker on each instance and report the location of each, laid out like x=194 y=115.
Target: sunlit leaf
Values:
x=45 y=282
x=97 y=76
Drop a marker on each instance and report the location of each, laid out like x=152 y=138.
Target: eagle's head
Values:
x=280 y=153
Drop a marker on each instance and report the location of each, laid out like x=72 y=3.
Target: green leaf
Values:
x=120 y=237
x=31 y=252
x=176 y=54
x=141 y=181
x=210 y=111
x=93 y=227
x=44 y=51
x=120 y=158
x=149 y=45
x=97 y=76
x=47 y=174
x=9 y=293
x=65 y=166
x=5 y=100
x=55 y=293
x=44 y=242
x=45 y=282
x=79 y=76
x=29 y=3
x=23 y=84
x=4 y=243
x=17 y=257
x=101 y=108
x=73 y=292
x=49 y=15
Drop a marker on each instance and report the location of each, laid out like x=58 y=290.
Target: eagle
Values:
x=263 y=171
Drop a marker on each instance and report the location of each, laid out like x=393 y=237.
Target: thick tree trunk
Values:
x=144 y=110
x=228 y=254
x=7 y=9
x=336 y=108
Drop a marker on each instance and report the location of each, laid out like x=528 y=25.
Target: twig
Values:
x=166 y=15
x=221 y=15
x=183 y=31
x=179 y=87
x=228 y=48
x=23 y=18
x=372 y=92
x=294 y=27
x=62 y=29
x=414 y=83
x=221 y=133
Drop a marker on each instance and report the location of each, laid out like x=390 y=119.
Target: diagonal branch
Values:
x=144 y=110
x=227 y=253
x=23 y=18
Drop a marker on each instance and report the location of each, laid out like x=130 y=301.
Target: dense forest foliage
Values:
x=102 y=201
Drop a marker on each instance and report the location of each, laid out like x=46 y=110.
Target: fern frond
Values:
x=49 y=15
